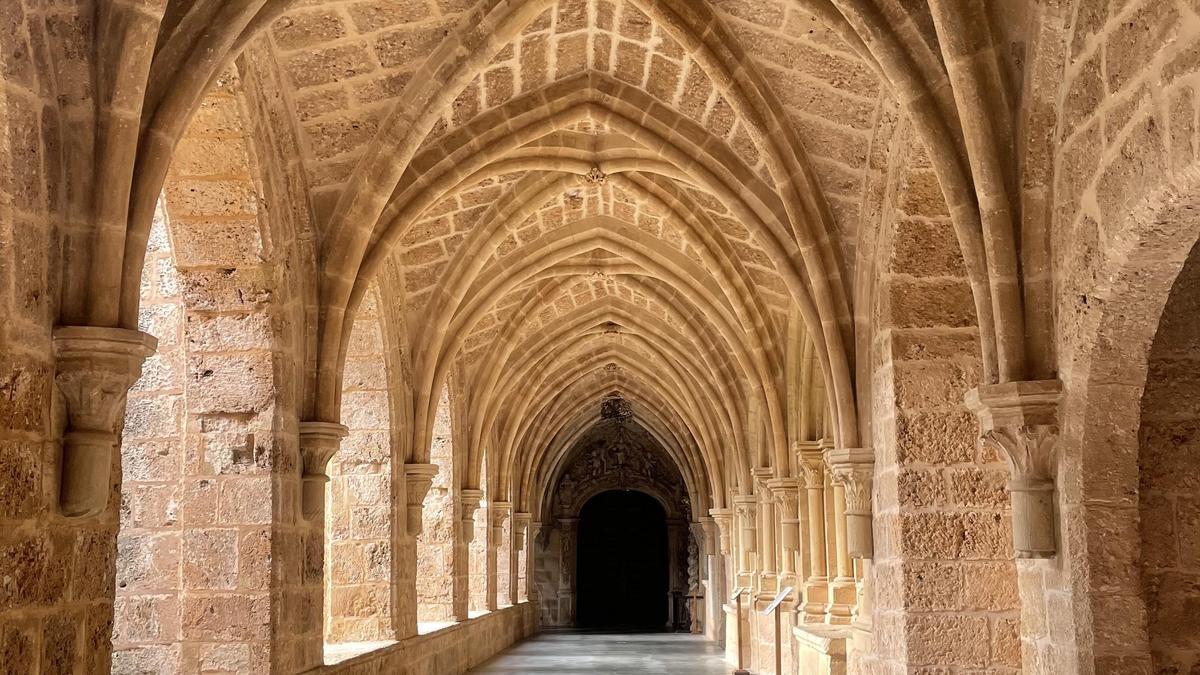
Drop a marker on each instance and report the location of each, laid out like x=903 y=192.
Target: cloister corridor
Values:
x=425 y=337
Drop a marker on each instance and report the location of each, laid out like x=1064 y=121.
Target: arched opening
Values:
x=622 y=562
x=435 y=545
x=1169 y=479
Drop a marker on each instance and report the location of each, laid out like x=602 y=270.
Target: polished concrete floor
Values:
x=610 y=654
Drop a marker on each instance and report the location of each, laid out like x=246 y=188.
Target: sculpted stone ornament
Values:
x=786 y=493
x=470 y=500
x=418 y=478
x=94 y=369
x=723 y=518
x=595 y=176
x=318 y=442
x=498 y=512
x=1020 y=421
x=520 y=521
x=853 y=469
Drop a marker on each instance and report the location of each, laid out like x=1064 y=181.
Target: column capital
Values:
x=723 y=520
x=318 y=443
x=469 y=499
x=520 y=520
x=786 y=493
x=497 y=513
x=418 y=478
x=762 y=477
x=853 y=470
x=1020 y=421
x=94 y=368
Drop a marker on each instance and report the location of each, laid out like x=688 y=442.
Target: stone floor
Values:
x=609 y=653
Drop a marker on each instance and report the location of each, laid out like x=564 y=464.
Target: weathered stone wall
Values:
x=146 y=628
x=359 y=499
x=1124 y=189
x=944 y=582
x=435 y=545
x=1169 y=476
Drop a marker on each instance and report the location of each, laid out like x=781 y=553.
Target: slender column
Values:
x=531 y=591
x=853 y=469
x=566 y=579
x=94 y=369
x=520 y=581
x=1020 y=421
x=816 y=586
x=675 y=547
x=746 y=507
x=498 y=512
x=786 y=493
x=842 y=589
x=766 y=515
x=723 y=521
x=318 y=443
x=468 y=500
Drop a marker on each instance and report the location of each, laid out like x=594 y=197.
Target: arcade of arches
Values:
x=373 y=336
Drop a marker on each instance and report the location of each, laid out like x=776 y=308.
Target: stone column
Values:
x=851 y=471
x=768 y=579
x=468 y=502
x=94 y=369
x=1019 y=420
x=786 y=493
x=498 y=513
x=417 y=479
x=566 y=579
x=533 y=532
x=816 y=586
x=520 y=523
x=746 y=508
x=318 y=443
x=723 y=521
x=716 y=590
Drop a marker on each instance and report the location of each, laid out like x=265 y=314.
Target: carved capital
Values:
x=469 y=499
x=786 y=493
x=520 y=521
x=498 y=512
x=1020 y=421
x=746 y=508
x=853 y=469
x=94 y=369
x=318 y=443
x=418 y=478
x=762 y=480
x=723 y=521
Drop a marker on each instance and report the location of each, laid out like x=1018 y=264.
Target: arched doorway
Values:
x=623 y=569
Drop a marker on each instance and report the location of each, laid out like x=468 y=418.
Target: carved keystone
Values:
x=318 y=443
x=723 y=518
x=520 y=521
x=1020 y=419
x=853 y=469
x=470 y=500
x=94 y=369
x=418 y=478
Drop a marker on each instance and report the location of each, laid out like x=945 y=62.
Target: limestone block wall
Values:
x=435 y=545
x=149 y=583
x=360 y=500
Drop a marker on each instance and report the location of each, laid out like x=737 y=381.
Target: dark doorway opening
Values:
x=622 y=562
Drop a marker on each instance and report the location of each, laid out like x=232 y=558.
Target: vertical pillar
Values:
x=746 y=508
x=498 y=513
x=417 y=479
x=851 y=470
x=569 y=532
x=786 y=493
x=768 y=578
x=318 y=443
x=94 y=369
x=534 y=531
x=520 y=560
x=469 y=500
x=816 y=586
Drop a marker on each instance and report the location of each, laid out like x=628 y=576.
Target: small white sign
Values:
x=778 y=599
x=737 y=592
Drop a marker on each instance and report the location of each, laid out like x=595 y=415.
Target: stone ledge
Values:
x=827 y=639
x=450 y=650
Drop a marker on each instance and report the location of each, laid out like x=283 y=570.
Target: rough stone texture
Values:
x=782 y=231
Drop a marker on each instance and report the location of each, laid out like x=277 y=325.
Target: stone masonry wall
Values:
x=435 y=546
x=945 y=583
x=1169 y=486
x=146 y=628
x=359 y=501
